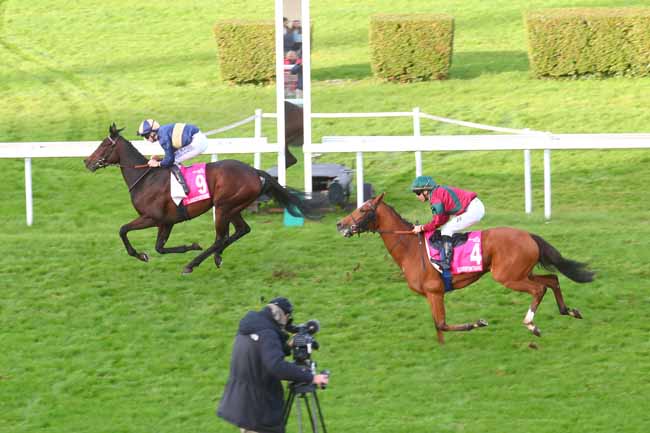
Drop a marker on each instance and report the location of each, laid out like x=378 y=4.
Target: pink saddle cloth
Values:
x=195 y=178
x=468 y=257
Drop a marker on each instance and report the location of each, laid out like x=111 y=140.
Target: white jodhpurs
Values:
x=473 y=214
x=196 y=147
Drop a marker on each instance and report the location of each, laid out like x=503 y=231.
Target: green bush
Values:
x=246 y=51
x=411 y=47
x=589 y=42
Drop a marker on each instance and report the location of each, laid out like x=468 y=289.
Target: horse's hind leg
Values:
x=137 y=224
x=163 y=235
x=241 y=230
x=537 y=290
x=221 y=228
x=553 y=282
x=436 y=301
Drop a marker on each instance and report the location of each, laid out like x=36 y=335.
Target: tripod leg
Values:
x=299 y=411
x=320 y=412
x=287 y=406
x=312 y=414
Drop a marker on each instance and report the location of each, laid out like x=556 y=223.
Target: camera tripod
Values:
x=307 y=393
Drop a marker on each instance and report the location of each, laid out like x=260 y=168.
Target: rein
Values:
x=139 y=179
x=102 y=163
x=363 y=225
x=395 y=232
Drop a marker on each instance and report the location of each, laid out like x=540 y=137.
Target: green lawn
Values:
x=93 y=340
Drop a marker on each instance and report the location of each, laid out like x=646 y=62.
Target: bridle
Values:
x=101 y=162
x=363 y=225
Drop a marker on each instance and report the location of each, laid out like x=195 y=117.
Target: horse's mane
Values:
x=131 y=149
x=408 y=223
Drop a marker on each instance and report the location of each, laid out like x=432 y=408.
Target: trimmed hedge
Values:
x=246 y=51
x=410 y=48
x=589 y=42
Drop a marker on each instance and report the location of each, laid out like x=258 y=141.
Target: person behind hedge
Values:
x=453 y=210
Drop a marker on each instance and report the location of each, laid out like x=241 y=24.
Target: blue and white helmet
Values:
x=147 y=127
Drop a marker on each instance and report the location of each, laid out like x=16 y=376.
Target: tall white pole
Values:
x=528 y=201
x=359 y=179
x=28 y=191
x=417 y=133
x=279 y=89
x=257 y=159
x=214 y=158
x=306 y=91
x=547 y=183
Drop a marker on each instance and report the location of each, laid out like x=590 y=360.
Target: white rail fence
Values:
x=523 y=139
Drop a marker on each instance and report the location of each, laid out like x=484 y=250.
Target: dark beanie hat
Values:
x=283 y=303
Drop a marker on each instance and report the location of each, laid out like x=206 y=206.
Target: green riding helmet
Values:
x=423 y=183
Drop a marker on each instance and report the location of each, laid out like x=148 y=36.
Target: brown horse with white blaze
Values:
x=233 y=186
x=509 y=254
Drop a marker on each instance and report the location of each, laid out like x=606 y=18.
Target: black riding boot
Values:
x=445 y=261
x=179 y=176
x=448 y=252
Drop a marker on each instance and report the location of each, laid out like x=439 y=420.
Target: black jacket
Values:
x=254 y=397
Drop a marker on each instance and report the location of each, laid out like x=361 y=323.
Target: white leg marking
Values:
x=529 y=317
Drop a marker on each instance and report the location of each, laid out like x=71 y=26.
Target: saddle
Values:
x=458 y=239
x=467 y=257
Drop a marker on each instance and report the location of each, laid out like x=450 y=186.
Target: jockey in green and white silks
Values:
x=180 y=141
x=453 y=210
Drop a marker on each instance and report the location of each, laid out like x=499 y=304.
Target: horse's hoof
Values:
x=217 y=261
x=196 y=247
x=575 y=313
x=481 y=323
x=187 y=270
x=144 y=257
x=534 y=329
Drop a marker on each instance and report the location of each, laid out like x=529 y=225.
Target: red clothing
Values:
x=446 y=201
x=297 y=61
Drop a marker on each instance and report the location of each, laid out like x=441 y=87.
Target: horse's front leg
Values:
x=436 y=301
x=139 y=223
x=163 y=235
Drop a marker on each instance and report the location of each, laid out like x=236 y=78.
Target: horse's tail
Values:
x=551 y=258
x=291 y=199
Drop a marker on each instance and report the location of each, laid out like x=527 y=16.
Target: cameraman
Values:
x=254 y=398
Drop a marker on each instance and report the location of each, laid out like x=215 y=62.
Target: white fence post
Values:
x=547 y=183
x=528 y=201
x=257 y=158
x=28 y=191
x=416 y=133
x=359 y=179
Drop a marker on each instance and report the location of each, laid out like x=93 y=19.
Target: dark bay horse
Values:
x=233 y=186
x=509 y=253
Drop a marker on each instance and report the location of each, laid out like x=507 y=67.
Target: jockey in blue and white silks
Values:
x=180 y=141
